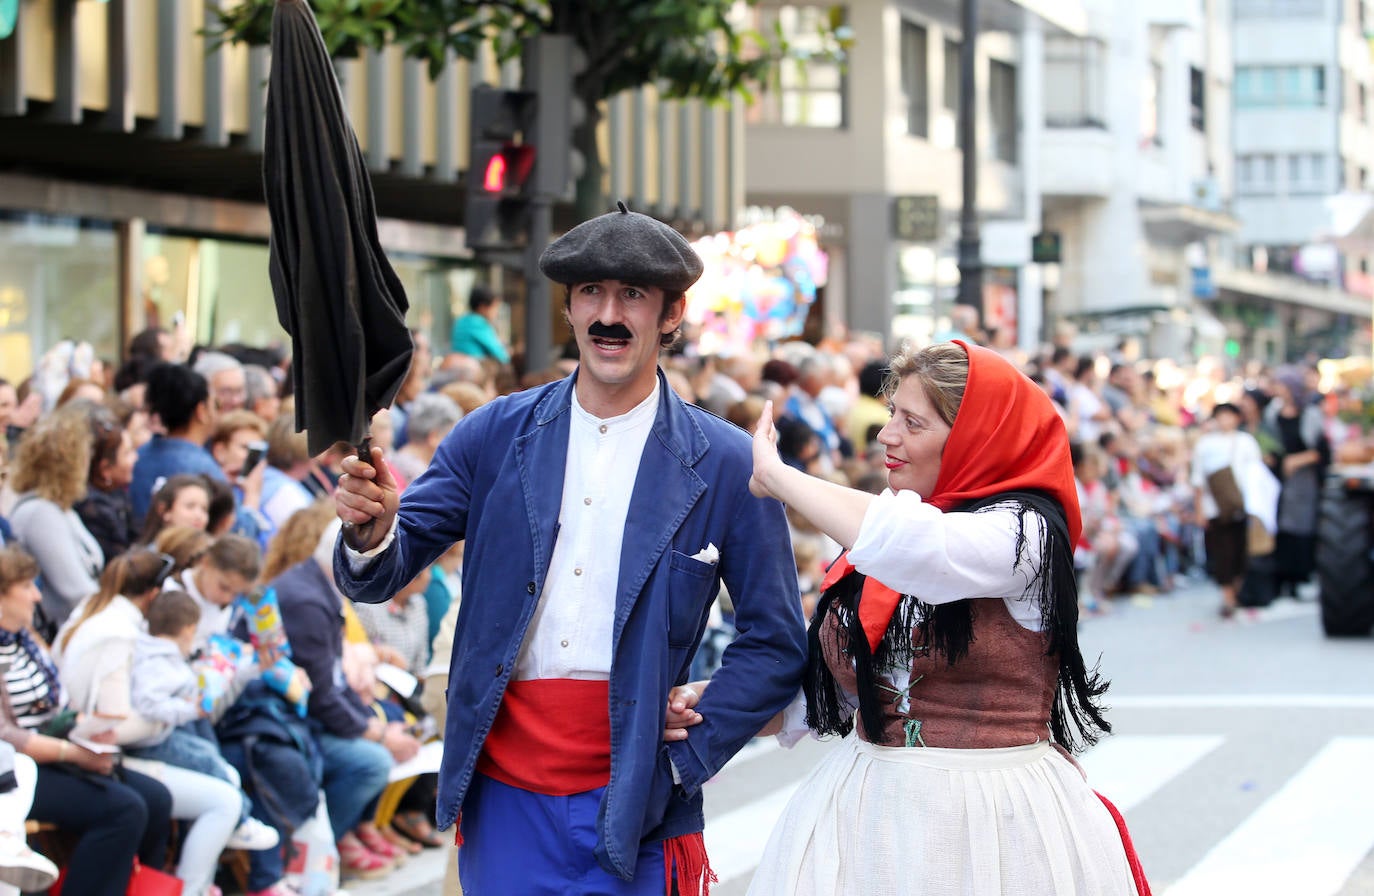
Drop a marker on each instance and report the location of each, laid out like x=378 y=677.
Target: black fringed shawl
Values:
x=1076 y=719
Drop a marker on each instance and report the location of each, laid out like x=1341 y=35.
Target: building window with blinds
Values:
x=1002 y=116
x=916 y=79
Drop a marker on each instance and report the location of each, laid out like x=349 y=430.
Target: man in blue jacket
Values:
x=601 y=515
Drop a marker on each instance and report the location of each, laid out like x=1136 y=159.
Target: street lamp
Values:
x=970 y=244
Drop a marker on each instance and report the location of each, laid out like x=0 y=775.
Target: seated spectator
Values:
x=112 y=818
x=445 y=587
x=49 y=474
x=166 y=689
x=357 y=747
x=184 y=545
x=225 y=569
x=95 y=651
x=107 y=511
x=431 y=416
x=224 y=375
x=183 y=500
x=181 y=400
x=401 y=623
x=1105 y=547
x=264 y=392
x=288 y=462
x=229 y=444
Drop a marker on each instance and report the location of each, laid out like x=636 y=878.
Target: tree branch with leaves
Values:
x=702 y=50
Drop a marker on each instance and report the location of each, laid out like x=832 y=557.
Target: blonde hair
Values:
x=232 y=421
x=54 y=457
x=297 y=538
x=942 y=369
x=184 y=544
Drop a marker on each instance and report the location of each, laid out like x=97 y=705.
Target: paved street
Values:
x=1241 y=756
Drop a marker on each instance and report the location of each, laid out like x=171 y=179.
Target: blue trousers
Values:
x=515 y=841
x=355 y=774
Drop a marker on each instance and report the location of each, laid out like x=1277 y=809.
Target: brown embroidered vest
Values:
x=998 y=695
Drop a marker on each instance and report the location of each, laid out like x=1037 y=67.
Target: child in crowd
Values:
x=166 y=689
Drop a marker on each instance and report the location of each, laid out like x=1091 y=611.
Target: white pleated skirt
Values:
x=892 y=821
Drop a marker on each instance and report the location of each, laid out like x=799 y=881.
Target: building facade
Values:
x=870 y=153
x=131 y=188
x=1304 y=148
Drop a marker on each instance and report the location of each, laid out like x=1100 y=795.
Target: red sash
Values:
x=551 y=736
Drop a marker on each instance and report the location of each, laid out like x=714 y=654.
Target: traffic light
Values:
x=501 y=159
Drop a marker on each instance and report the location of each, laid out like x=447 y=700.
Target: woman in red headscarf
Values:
x=949 y=631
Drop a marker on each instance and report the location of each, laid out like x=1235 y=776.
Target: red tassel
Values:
x=688 y=855
x=458 y=830
x=1142 y=886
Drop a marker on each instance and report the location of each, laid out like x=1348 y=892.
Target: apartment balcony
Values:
x=1076 y=162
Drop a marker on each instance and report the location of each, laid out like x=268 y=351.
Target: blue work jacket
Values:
x=497 y=481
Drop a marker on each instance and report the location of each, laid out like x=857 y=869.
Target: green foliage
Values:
x=693 y=49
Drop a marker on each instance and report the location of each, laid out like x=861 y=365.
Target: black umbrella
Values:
x=336 y=293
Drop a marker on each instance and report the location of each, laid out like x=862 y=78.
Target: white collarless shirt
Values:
x=570 y=635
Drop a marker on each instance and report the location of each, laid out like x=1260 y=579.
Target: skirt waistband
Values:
x=952 y=759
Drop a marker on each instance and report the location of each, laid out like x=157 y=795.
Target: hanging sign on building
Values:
x=1045 y=247
x=916 y=219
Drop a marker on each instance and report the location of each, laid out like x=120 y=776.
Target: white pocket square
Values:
x=709 y=554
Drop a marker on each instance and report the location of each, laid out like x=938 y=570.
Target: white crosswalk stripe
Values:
x=1128 y=769
x=1308 y=838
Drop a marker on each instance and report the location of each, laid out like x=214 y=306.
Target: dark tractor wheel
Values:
x=1345 y=566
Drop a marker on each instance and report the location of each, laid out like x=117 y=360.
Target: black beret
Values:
x=626 y=246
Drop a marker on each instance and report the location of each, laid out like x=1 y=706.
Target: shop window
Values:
x=810 y=91
x=58 y=280
x=916 y=79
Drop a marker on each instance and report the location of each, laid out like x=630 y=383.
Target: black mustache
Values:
x=600 y=330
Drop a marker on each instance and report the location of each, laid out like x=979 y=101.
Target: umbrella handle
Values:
x=357 y=535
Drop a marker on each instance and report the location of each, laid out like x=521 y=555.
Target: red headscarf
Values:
x=1007 y=436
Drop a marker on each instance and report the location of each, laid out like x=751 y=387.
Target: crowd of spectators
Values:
x=139 y=538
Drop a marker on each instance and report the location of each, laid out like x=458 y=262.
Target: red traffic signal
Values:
x=508 y=169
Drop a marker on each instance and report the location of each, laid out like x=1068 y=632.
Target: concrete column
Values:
x=1031 y=112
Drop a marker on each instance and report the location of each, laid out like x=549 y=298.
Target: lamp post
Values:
x=970 y=244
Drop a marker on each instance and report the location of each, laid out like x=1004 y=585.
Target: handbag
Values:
x=143 y=881
x=1226 y=493
x=1259 y=541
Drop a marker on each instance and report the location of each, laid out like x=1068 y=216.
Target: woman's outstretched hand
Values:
x=765 y=452
x=682 y=714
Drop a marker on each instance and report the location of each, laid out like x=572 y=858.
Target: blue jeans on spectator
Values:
x=1143 y=569
x=355 y=773
x=187 y=749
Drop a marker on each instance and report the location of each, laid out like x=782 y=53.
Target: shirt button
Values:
x=529 y=588
x=578 y=571
x=564 y=643
x=603 y=428
x=587 y=501
x=500 y=667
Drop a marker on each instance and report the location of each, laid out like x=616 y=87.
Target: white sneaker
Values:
x=22 y=867
x=253 y=835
